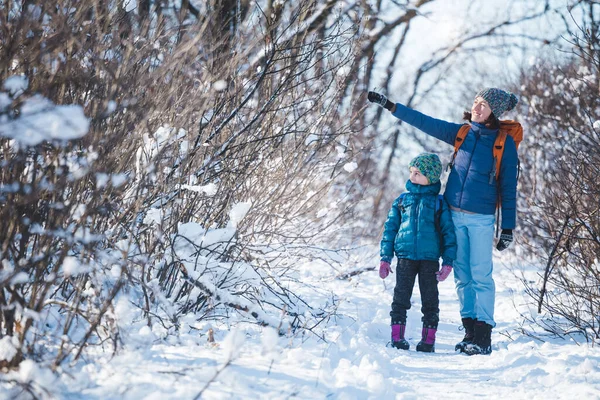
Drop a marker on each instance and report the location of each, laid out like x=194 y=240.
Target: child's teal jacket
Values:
x=414 y=231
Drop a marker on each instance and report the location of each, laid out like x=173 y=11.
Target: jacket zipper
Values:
x=462 y=189
x=416 y=214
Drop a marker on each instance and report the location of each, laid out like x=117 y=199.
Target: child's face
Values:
x=417 y=177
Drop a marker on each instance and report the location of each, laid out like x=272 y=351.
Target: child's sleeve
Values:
x=439 y=129
x=449 y=246
x=390 y=230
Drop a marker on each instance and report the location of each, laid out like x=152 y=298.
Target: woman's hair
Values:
x=491 y=122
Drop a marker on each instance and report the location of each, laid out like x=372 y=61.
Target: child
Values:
x=418 y=230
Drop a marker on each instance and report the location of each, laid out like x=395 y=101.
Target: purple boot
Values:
x=398 y=340
x=427 y=343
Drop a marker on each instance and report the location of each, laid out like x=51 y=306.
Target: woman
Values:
x=473 y=192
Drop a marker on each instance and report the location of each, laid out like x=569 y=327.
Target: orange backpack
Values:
x=507 y=127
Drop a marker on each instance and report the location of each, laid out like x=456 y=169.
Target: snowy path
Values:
x=354 y=364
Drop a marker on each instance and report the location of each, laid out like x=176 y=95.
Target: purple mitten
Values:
x=443 y=273
x=384 y=269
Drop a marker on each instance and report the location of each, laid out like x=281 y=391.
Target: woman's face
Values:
x=480 y=111
x=417 y=177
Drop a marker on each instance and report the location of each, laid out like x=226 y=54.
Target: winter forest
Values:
x=192 y=195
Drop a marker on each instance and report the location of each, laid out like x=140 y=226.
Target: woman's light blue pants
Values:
x=473 y=265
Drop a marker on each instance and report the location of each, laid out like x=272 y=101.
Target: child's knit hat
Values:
x=429 y=164
x=499 y=100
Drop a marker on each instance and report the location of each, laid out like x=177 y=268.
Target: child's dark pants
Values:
x=406 y=272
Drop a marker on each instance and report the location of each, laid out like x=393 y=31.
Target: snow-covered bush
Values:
x=49 y=277
x=157 y=173
x=559 y=186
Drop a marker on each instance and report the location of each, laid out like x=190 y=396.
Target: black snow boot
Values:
x=468 y=324
x=482 y=342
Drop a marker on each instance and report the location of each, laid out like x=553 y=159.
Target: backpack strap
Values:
x=458 y=141
x=507 y=127
x=498 y=151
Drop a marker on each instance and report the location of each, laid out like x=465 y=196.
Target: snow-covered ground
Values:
x=349 y=360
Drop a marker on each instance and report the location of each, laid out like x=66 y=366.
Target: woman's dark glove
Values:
x=380 y=99
x=506 y=238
